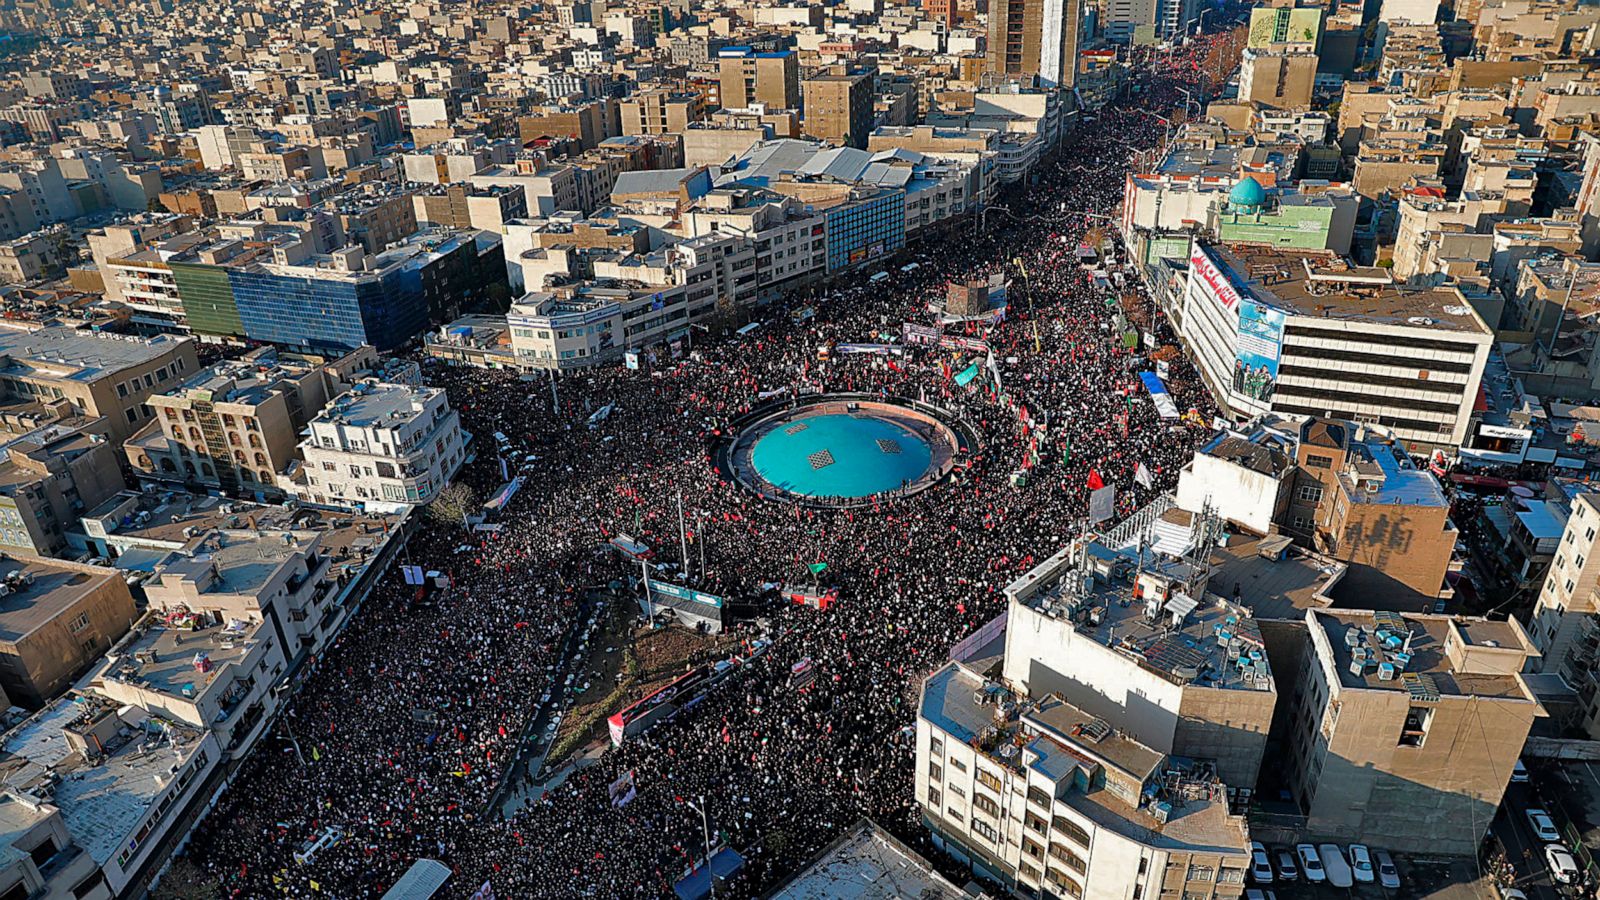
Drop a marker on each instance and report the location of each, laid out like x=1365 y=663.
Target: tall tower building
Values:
x=1035 y=37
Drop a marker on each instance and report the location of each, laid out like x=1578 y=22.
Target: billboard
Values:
x=1256 y=351
x=663 y=589
x=1214 y=279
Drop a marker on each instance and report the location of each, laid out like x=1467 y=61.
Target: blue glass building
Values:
x=331 y=312
x=867 y=228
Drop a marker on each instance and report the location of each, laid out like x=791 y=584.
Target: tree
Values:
x=452 y=504
x=186 y=881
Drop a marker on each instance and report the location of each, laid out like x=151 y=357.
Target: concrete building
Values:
x=1563 y=625
x=661 y=111
x=49 y=479
x=101 y=793
x=748 y=77
x=1406 y=727
x=381 y=447
x=60 y=372
x=1278 y=79
x=233 y=427
x=1306 y=334
x=56 y=618
x=1035 y=38
x=1048 y=753
x=838 y=108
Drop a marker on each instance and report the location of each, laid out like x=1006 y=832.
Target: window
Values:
x=1066 y=857
x=42 y=853
x=1029 y=873
x=89 y=885
x=1200 y=873
x=1034 y=823
x=1032 y=849
x=933 y=798
x=1038 y=796
x=936 y=746
x=122 y=390
x=1071 y=830
x=935 y=771
x=1319 y=462
x=958 y=765
x=986 y=804
x=80 y=623
x=986 y=830
x=1415 y=731
x=988 y=780
x=1310 y=493
x=132 y=414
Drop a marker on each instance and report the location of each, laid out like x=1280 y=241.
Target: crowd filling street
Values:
x=405 y=729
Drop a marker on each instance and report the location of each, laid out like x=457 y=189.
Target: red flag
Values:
x=1095 y=482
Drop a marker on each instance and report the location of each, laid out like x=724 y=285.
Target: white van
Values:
x=1333 y=862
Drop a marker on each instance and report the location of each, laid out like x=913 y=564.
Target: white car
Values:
x=1388 y=875
x=1519 y=773
x=1361 y=864
x=1544 y=827
x=1310 y=863
x=1563 y=867
x=1512 y=894
x=1334 y=867
x=1260 y=865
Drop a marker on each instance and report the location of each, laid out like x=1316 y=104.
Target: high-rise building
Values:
x=839 y=108
x=1035 y=37
x=748 y=77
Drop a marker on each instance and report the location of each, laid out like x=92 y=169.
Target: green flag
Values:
x=817 y=568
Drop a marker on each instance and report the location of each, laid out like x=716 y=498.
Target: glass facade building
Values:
x=337 y=312
x=865 y=229
x=208 y=303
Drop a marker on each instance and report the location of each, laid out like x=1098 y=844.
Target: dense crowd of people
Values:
x=403 y=733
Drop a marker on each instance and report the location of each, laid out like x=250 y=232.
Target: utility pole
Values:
x=705 y=834
x=555 y=398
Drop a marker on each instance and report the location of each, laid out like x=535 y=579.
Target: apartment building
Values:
x=381 y=447
x=748 y=77
x=1035 y=38
x=790 y=246
x=1306 y=334
x=1070 y=748
x=233 y=427
x=61 y=372
x=838 y=108
x=661 y=111
x=51 y=477
x=56 y=619
x=1406 y=727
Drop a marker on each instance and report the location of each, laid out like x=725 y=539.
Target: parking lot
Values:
x=1432 y=879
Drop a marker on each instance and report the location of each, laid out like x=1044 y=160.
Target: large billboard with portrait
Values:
x=1257 y=349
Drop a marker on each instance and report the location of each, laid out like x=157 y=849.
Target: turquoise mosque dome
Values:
x=1247 y=194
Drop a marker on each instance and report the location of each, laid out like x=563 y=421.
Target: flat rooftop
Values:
x=1320 y=284
x=1205 y=646
x=867 y=863
x=1273 y=588
x=39 y=592
x=102 y=802
x=1398 y=481
x=182 y=661
x=1050 y=733
x=1347 y=630
x=66 y=353
x=375 y=404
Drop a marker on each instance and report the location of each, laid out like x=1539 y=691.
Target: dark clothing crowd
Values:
x=410 y=723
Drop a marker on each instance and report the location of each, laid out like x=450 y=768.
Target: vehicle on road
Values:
x=1334 y=866
x=1311 y=863
x=1544 y=827
x=1260 y=866
x=1519 y=773
x=1288 y=870
x=1258 y=894
x=1511 y=893
x=1388 y=875
x=1563 y=867
x=1361 y=864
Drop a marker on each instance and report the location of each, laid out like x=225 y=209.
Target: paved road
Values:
x=1516 y=835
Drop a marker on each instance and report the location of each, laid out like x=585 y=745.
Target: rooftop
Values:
x=61 y=352
x=1320 y=284
x=1431 y=656
x=867 y=863
x=1055 y=738
x=1180 y=630
x=374 y=404
x=179 y=656
x=102 y=801
x=33 y=592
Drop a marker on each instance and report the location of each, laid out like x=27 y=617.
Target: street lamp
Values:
x=705 y=834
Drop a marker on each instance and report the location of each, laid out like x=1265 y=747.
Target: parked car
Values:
x=1260 y=866
x=1288 y=870
x=1563 y=867
x=1511 y=893
x=1258 y=894
x=1544 y=827
x=1310 y=863
x=1334 y=866
x=1361 y=864
x=1519 y=773
x=1388 y=875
